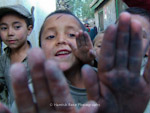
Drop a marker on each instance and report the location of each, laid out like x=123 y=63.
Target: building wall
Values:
x=109 y=14
x=111 y=10
x=96 y=19
x=42 y=9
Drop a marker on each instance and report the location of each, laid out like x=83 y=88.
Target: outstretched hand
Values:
x=84 y=51
x=51 y=91
x=118 y=85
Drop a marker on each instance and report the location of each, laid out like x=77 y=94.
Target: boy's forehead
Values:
x=9 y=14
x=139 y=17
x=145 y=23
x=63 y=19
x=59 y=16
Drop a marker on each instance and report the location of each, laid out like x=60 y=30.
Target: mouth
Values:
x=11 y=41
x=62 y=52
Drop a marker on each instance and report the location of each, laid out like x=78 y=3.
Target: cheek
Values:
x=2 y=35
x=98 y=51
x=22 y=34
x=48 y=50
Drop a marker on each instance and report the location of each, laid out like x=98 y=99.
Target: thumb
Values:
x=92 y=53
x=72 y=47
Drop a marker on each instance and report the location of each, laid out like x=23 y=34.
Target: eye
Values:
x=50 y=37
x=99 y=46
x=71 y=35
x=17 y=27
x=3 y=28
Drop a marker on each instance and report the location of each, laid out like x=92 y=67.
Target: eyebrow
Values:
x=2 y=24
x=50 y=28
x=13 y=23
x=70 y=27
x=16 y=23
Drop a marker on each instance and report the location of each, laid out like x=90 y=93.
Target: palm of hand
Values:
x=84 y=50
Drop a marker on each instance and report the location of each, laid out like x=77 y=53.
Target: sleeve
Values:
x=1 y=69
x=2 y=78
x=3 y=87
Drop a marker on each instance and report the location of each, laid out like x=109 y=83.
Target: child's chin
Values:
x=64 y=66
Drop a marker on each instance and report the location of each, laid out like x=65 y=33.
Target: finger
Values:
x=91 y=82
x=80 y=39
x=92 y=53
x=3 y=109
x=89 y=107
x=87 y=39
x=147 y=70
x=107 y=55
x=58 y=87
x=123 y=41
x=36 y=61
x=22 y=95
x=135 y=53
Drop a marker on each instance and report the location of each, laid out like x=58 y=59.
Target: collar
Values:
x=7 y=50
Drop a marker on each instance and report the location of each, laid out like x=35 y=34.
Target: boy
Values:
x=143 y=17
x=63 y=38
x=97 y=42
x=16 y=24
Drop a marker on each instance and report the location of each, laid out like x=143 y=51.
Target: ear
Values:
x=30 y=28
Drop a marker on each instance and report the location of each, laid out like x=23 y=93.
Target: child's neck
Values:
x=75 y=78
x=19 y=54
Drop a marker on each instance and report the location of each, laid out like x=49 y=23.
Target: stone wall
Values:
x=109 y=13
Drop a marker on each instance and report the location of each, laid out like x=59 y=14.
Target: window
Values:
x=101 y=21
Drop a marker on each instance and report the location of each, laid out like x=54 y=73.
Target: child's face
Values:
x=59 y=29
x=98 y=43
x=145 y=28
x=14 y=31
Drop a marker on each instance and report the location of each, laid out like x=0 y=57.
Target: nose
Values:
x=10 y=31
x=61 y=40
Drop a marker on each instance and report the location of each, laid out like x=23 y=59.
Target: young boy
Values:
x=143 y=17
x=97 y=42
x=60 y=34
x=16 y=24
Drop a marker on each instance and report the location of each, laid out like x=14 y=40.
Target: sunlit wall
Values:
x=42 y=9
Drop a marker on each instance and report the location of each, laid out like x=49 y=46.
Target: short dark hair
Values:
x=139 y=11
x=27 y=21
x=60 y=12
